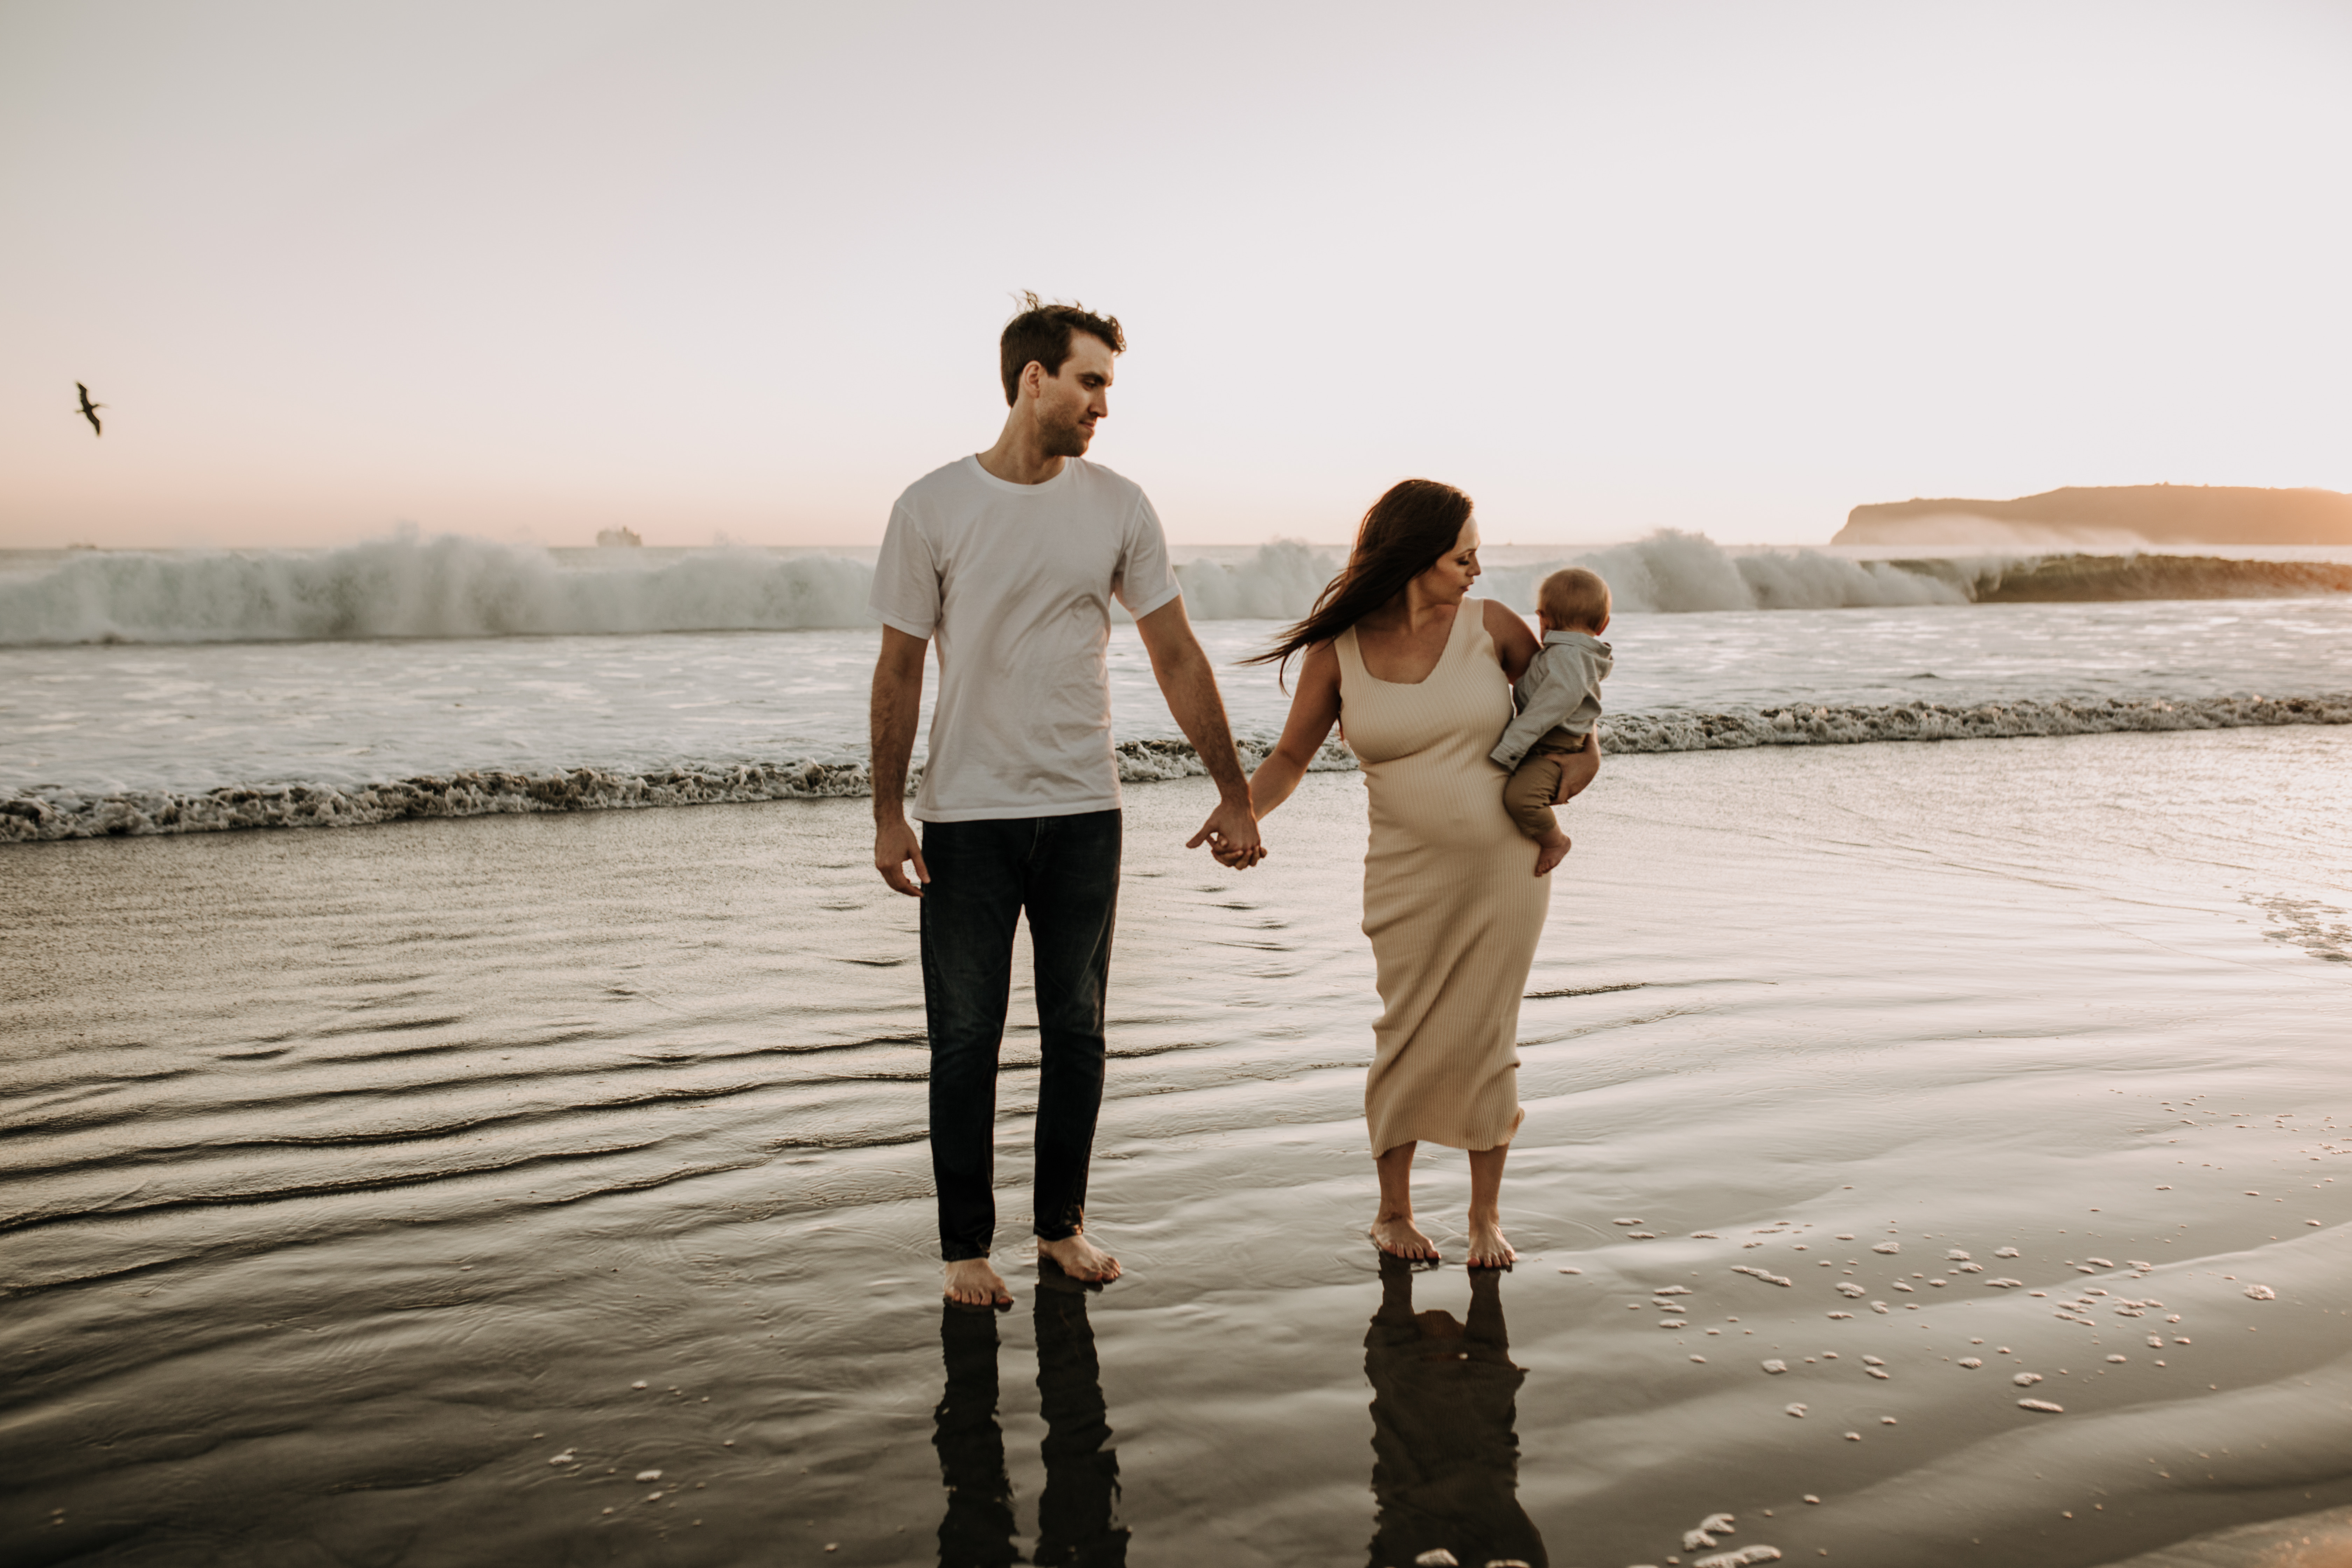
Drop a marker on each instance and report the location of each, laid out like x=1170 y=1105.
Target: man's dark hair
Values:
x=1042 y=332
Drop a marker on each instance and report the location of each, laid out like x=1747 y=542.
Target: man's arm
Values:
x=897 y=699
x=1190 y=685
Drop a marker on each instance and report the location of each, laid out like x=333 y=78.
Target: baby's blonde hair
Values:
x=1573 y=597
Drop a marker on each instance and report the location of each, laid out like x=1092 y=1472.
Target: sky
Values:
x=727 y=271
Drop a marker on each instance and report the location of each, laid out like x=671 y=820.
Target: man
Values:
x=1009 y=558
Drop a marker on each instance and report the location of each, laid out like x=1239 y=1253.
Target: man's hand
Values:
x=894 y=843
x=1231 y=834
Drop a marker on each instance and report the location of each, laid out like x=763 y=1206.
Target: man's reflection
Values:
x=1446 y=1458
x=1077 y=1522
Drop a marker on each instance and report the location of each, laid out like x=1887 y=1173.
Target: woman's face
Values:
x=1448 y=581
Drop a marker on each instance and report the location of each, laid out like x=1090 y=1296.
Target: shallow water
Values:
x=203 y=716
x=354 y=1178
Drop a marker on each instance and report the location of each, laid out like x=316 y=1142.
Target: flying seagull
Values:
x=89 y=410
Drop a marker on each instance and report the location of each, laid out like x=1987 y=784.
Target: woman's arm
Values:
x=1314 y=708
x=1515 y=646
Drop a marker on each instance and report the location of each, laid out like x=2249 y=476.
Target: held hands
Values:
x=1231 y=834
x=894 y=843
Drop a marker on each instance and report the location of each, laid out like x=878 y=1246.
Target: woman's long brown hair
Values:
x=1408 y=531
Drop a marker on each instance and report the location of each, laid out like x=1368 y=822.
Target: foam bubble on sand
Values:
x=1878 y=1371
x=1765 y=1274
x=1889 y=1248
x=2155 y=1341
x=2006 y=1252
x=2041 y=1404
x=648 y=1475
x=1670 y=1290
x=2003 y=1284
x=2117 y=1358
x=1776 y=1367
x=1872 y=1360
x=1672 y=1323
x=1740 y=1559
x=1624 y=1222
x=1841 y=1314
x=1703 y=1536
x=2260 y=1293
x=1572 y=1271
x=1796 y=1410
x=1971 y=1362
x=1956 y=1255
x=565 y=1457
x=2099 y=1263
x=1847 y=1288
x=1853 y=1437
x=2026 y=1379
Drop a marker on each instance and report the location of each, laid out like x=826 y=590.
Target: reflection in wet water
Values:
x=1445 y=1451
x=1077 y=1515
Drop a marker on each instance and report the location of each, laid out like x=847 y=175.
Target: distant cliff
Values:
x=2157 y=514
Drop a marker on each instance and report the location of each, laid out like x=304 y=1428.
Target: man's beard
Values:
x=1066 y=440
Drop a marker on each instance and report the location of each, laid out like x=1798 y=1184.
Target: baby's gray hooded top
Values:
x=1561 y=691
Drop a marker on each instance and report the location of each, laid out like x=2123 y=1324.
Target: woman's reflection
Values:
x=1446 y=1458
x=1077 y=1522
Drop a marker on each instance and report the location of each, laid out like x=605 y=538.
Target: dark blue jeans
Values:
x=1064 y=871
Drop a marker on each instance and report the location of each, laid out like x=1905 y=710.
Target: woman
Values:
x=1418 y=675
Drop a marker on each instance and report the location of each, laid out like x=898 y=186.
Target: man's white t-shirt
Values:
x=1014 y=582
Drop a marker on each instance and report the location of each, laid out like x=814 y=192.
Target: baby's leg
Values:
x=1526 y=795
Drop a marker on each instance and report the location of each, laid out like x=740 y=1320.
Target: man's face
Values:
x=1069 y=403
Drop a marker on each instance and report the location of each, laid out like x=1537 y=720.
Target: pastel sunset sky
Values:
x=525 y=270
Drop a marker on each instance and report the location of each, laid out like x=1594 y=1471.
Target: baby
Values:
x=1559 y=698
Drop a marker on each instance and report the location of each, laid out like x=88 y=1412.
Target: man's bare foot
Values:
x=1550 y=851
x=975 y=1282
x=1488 y=1247
x=1080 y=1258
x=1397 y=1235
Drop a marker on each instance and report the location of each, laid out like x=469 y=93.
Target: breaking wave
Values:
x=451 y=586
x=34 y=816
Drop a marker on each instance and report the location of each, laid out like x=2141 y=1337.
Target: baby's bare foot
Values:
x=1488 y=1247
x=976 y=1283
x=1549 y=852
x=1397 y=1235
x=1080 y=1258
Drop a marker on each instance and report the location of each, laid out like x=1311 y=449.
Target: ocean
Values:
x=1932 y=1152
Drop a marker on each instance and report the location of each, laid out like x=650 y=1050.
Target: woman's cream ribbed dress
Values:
x=1451 y=899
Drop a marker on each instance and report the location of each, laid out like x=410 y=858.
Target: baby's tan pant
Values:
x=1527 y=793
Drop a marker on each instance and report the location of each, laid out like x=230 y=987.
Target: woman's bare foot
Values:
x=1397 y=1235
x=975 y=1282
x=1488 y=1247
x=1080 y=1258
x=1551 y=852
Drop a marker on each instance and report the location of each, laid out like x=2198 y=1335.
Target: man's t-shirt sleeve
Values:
x=1146 y=580
x=906 y=578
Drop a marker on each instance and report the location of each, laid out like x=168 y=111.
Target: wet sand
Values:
x=410 y=1194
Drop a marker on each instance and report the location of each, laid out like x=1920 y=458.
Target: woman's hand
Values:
x=1578 y=770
